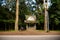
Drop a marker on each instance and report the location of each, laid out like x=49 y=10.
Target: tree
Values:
x=10 y=13
x=17 y=15
x=40 y=13
x=54 y=15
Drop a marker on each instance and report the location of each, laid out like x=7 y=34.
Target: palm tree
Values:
x=17 y=11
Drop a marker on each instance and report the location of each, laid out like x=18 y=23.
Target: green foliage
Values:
x=23 y=8
x=57 y=21
x=54 y=13
x=39 y=1
x=5 y=14
x=7 y=19
x=41 y=19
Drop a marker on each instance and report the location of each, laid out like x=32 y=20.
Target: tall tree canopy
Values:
x=54 y=13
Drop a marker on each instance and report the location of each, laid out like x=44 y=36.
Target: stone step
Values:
x=31 y=29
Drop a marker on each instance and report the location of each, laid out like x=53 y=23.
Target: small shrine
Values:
x=30 y=22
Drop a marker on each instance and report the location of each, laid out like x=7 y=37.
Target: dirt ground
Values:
x=30 y=32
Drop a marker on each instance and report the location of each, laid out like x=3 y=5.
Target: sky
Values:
x=30 y=1
x=49 y=2
x=3 y=2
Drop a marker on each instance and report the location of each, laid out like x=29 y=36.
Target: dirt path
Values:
x=30 y=32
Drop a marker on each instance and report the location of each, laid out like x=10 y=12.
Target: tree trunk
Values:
x=46 y=21
x=17 y=11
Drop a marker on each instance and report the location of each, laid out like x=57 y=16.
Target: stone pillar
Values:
x=26 y=26
x=34 y=26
